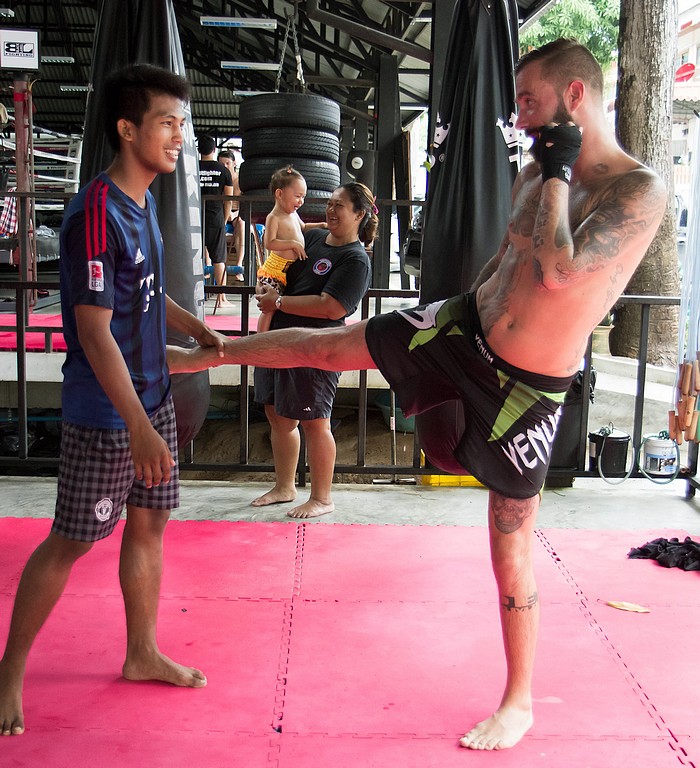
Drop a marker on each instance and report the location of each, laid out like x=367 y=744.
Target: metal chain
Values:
x=297 y=54
x=284 y=50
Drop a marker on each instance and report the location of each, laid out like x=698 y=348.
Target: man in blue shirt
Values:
x=118 y=444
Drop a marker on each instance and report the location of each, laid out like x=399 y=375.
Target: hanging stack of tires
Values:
x=297 y=129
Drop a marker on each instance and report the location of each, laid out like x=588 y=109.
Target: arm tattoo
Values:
x=539 y=272
x=562 y=235
x=629 y=207
x=549 y=233
x=510 y=514
x=509 y=603
x=524 y=222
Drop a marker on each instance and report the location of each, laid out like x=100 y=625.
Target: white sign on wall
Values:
x=19 y=49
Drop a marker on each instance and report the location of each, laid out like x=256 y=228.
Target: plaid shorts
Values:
x=96 y=478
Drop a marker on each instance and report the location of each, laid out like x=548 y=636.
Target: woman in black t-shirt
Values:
x=321 y=292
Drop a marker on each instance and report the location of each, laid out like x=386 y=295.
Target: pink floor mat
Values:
x=35 y=341
x=359 y=646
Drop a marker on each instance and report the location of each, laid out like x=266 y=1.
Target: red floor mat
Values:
x=659 y=650
x=358 y=646
x=36 y=341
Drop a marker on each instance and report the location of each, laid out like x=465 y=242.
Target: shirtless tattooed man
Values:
x=583 y=214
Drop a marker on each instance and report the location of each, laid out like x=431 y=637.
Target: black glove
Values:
x=557 y=149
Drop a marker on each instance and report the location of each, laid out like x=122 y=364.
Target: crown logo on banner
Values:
x=436 y=153
x=512 y=137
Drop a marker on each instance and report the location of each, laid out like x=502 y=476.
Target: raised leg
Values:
x=330 y=349
x=511 y=528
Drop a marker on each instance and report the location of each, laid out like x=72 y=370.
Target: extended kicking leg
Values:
x=330 y=349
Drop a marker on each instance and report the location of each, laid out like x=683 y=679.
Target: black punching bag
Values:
x=475 y=151
x=474 y=164
x=145 y=32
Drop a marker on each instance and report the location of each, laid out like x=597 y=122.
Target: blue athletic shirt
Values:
x=112 y=256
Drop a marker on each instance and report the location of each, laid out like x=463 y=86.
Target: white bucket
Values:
x=660 y=456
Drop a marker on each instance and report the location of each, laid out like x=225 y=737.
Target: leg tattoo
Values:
x=509 y=603
x=510 y=514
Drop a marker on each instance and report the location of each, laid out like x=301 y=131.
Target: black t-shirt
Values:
x=342 y=271
x=213 y=177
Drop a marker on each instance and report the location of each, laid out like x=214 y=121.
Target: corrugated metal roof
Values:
x=337 y=64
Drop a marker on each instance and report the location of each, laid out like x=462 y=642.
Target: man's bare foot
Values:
x=275 y=496
x=11 y=714
x=311 y=508
x=502 y=730
x=165 y=670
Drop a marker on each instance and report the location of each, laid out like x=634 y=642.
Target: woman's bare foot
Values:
x=11 y=714
x=502 y=730
x=275 y=496
x=161 y=668
x=311 y=508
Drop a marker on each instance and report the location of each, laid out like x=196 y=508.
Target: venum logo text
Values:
x=529 y=448
x=483 y=349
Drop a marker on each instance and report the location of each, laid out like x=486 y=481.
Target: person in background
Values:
x=321 y=291
x=284 y=234
x=235 y=226
x=504 y=354
x=215 y=179
x=118 y=442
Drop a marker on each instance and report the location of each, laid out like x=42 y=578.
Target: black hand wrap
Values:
x=558 y=148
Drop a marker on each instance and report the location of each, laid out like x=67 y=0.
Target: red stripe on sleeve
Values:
x=103 y=222
x=87 y=224
x=96 y=219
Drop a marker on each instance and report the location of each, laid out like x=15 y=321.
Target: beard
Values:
x=561 y=117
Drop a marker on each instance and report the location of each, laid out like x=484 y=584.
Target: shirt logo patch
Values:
x=103 y=510
x=148 y=282
x=97 y=278
x=322 y=266
x=139 y=257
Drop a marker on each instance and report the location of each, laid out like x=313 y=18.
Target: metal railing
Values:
x=371 y=304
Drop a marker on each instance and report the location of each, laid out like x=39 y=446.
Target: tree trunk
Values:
x=647 y=43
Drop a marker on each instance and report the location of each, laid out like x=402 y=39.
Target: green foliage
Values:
x=592 y=22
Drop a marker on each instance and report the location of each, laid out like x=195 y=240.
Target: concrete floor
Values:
x=591 y=503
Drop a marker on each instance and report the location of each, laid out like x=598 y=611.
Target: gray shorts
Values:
x=96 y=478
x=303 y=394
